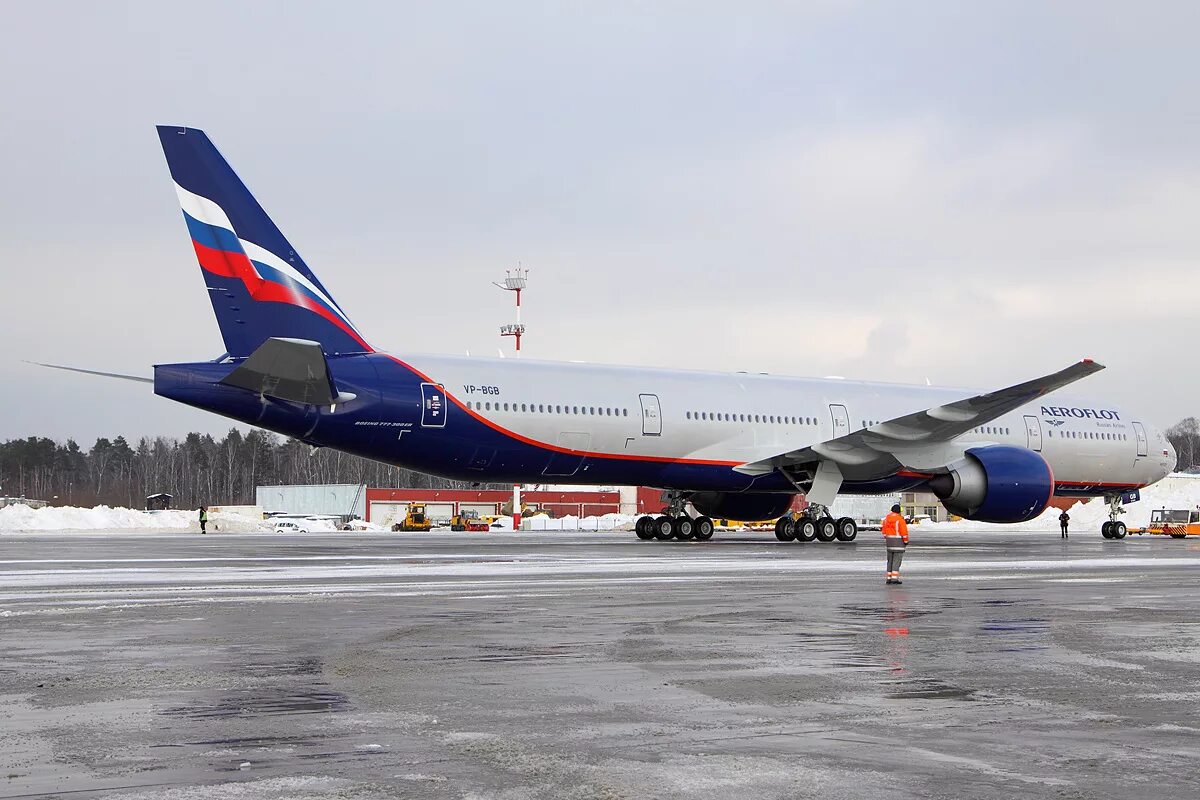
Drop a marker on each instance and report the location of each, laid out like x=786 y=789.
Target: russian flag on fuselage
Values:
x=258 y=284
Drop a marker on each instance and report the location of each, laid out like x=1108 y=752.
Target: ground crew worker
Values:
x=895 y=537
x=1063 y=519
x=203 y=518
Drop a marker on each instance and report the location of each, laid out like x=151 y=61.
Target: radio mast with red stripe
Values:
x=514 y=281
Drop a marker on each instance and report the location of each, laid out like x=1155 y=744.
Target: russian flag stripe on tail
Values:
x=259 y=286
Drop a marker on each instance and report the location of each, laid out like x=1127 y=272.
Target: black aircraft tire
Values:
x=826 y=529
x=1106 y=530
x=702 y=529
x=663 y=528
x=785 y=529
x=1119 y=530
x=684 y=528
x=847 y=529
x=806 y=530
x=643 y=528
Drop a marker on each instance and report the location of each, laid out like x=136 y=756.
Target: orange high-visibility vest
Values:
x=894 y=525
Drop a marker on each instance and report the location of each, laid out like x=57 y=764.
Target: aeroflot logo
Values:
x=1079 y=413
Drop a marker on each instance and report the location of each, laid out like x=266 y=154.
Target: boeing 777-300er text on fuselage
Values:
x=728 y=445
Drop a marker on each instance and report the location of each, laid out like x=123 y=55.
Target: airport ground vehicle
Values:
x=1178 y=523
x=415 y=519
x=289 y=526
x=468 y=521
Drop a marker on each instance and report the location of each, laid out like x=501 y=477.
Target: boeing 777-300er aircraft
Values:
x=726 y=445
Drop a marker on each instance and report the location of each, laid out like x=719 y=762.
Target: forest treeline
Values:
x=197 y=469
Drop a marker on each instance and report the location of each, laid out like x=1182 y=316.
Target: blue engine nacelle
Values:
x=1001 y=483
x=741 y=506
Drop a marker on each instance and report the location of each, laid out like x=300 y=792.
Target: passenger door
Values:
x=651 y=415
x=433 y=406
x=1033 y=433
x=1139 y=433
x=841 y=420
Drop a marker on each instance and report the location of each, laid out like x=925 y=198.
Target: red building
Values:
x=384 y=505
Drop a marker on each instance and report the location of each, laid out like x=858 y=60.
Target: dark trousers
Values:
x=1064 y=530
x=894 y=557
x=203 y=522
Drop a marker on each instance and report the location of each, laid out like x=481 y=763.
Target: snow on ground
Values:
x=541 y=522
x=70 y=518
x=1178 y=490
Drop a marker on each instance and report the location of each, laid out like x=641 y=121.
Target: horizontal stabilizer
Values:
x=137 y=378
x=288 y=369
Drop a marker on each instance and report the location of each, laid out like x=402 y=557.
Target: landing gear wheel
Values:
x=806 y=529
x=826 y=529
x=847 y=529
x=663 y=528
x=1118 y=530
x=643 y=528
x=1106 y=530
x=684 y=528
x=702 y=529
x=785 y=529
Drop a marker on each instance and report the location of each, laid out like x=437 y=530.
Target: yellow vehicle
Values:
x=414 y=520
x=1177 y=523
x=468 y=521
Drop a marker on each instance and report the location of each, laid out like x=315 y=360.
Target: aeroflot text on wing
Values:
x=1082 y=413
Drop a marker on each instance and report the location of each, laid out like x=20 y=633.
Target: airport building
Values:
x=383 y=506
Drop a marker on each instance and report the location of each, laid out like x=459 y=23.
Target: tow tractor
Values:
x=1178 y=523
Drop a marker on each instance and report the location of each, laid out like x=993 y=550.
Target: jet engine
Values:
x=1000 y=483
x=741 y=506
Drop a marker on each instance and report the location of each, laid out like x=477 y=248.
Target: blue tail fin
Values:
x=259 y=286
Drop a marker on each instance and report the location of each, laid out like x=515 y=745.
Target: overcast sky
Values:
x=967 y=193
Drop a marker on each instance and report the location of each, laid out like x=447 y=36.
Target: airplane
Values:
x=727 y=445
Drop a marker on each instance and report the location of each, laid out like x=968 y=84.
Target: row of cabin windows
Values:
x=771 y=419
x=1107 y=437
x=541 y=408
x=992 y=430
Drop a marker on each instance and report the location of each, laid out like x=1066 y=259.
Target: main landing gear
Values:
x=674 y=524
x=815 y=523
x=1114 y=528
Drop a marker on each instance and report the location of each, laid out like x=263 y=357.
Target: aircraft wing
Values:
x=921 y=440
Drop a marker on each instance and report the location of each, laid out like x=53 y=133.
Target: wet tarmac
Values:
x=592 y=665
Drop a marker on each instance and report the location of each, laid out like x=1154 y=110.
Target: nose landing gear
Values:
x=1114 y=528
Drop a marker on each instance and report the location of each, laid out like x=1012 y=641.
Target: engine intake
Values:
x=1001 y=483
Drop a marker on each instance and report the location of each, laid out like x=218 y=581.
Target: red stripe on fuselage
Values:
x=555 y=448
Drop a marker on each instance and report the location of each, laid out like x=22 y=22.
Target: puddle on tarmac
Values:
x=929 y=689
x=264 y=703
x=501 y=654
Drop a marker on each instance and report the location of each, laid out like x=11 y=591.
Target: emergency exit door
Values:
x=1139 y=432
x=841 y=420
x=1033 y=433
x=651 y=415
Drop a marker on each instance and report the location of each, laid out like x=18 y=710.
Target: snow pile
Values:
x=608 y=522
x=69 y=518
x=1178 y=490
x=104 y=518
